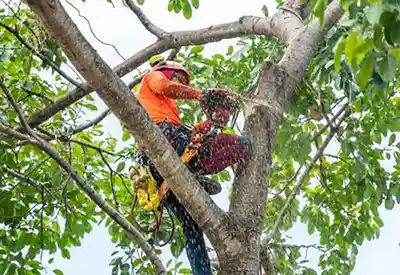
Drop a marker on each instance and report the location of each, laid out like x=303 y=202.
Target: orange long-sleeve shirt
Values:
x=157 y=94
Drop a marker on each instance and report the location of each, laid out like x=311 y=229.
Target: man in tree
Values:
x=158 y=91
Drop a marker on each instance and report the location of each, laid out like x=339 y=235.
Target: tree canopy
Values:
x=319 y=83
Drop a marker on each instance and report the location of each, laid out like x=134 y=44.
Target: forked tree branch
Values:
x=282 y=24
x=124 y=105
x=144 y=20
x=92 y=194
x=276 y=87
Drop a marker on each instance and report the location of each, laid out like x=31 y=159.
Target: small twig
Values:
x=320 y=132
x=91 y=123
x=144 y=20
x=287 y=184
x=20 y=216
x=324 y=181
x=91 y=30
x=34 y=183
x=293 y=246
x=30 y=93
x=17 y=109
x=321 y=103
x=42 y=57
x=111 y=180
x=49 y=137
x=337 y=157
x=41 y=225
x=65 y=199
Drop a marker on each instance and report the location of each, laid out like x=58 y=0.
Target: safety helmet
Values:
x=172 y=66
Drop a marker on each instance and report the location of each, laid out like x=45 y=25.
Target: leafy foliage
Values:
x=357 y=63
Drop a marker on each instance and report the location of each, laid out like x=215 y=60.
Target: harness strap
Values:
x=188 y=154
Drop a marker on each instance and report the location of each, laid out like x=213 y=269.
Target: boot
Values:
x=211 y=186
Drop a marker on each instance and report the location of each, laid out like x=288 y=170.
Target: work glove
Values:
x=218 y=105
x=210 y=98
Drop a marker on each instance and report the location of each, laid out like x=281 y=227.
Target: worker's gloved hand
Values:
x=210 y=98
x=216 y=104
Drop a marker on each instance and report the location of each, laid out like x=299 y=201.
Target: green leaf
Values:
x=364 y=75
x=171 y=5
x=195 y=3
x=27 y=64
x=389 y=21
x=351 y=43
x=396 y=54
x=197 y=49
x=120 y=167
x=65 y=253
x=265 y=10
x=387 y=68
x=125 y=267
x=338 y=53
x=187 y=10
x=392 y=139
x=374 y=13
x=185 y=271
x=389 y=203
x=140 y=2
x=126 y=135
x=230 y=50
x=58 y=272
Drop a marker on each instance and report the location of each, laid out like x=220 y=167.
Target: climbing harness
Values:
x=187 y=143
x=148 y=196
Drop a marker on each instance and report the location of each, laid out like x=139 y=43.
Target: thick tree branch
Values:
x=144 y=20
x=282 y=24
x=276 y=87
x=301 y=48
x=41 y=56
x=124 y=105
x=92 y=194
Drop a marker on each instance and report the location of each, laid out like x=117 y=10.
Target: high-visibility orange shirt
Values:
x=157 y=94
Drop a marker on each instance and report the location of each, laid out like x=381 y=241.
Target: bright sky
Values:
x=121 y=28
